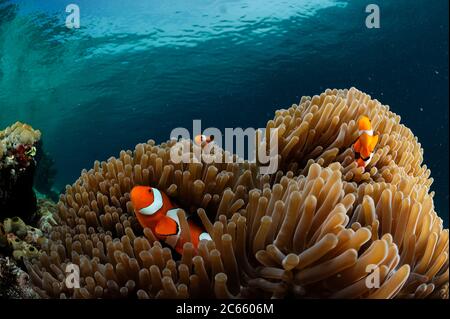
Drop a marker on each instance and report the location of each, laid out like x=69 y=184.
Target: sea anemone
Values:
x=318 y=228
x=321 y=130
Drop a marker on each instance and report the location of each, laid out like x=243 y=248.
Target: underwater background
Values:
x=137 y=69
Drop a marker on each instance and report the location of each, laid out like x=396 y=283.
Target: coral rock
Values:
x=17 y=166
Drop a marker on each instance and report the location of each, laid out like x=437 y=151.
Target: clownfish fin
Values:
x=373 y=142
x=166 y=227
x=357 y=146
x=361 y=163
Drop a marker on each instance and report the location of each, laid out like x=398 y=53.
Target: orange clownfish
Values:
x=154 y=210
x=366 y=142
x=199 y=139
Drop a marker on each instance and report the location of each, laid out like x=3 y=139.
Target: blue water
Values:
x=137 y=69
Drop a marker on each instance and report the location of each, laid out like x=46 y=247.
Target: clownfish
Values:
x=366 y=142
x=154 y=210
x=199 y=139
x=31 y=152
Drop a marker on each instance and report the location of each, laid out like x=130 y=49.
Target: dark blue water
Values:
x=136 y=70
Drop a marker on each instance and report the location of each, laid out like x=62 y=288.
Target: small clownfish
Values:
x=31 y=152
x=366 y=142
x=154 y=210
x=199 y=139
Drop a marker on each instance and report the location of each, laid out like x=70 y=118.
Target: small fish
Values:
x=31 y=152
x=199 y=139
x=366 y=142
x=155 y=210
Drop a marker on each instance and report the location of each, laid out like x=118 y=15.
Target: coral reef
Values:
x=17 y=167
x=15 y=144
x=19 y=242
x=312 y=230
x=14 y=282
x=22 y=240
x=3 y=238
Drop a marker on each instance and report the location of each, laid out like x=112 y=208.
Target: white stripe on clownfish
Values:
x=172 y=240
x=366 y=162
x=154 y=207
x=173 y=215
x=368 y=132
